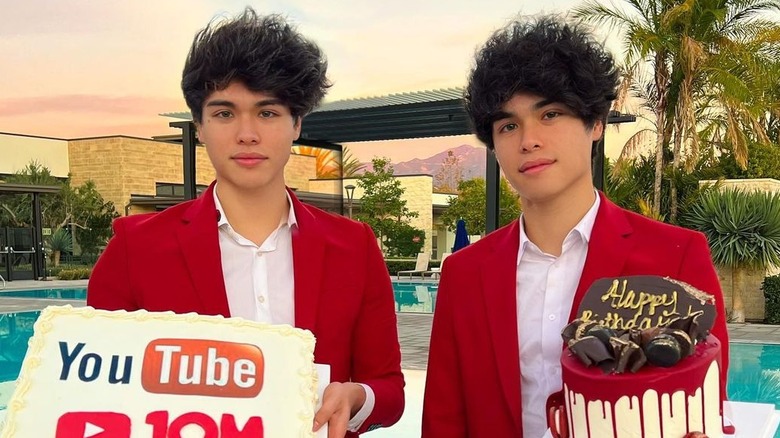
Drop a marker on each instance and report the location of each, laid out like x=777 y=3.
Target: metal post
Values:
x=350 y=195
x=39 y=252
x=188 y=144
x=597 y=163
x=491 y=189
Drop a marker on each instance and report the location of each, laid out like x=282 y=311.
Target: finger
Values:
x=329 y=406
x=322 y=416
x=337 y=426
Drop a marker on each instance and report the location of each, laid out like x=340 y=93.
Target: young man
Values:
x=247 y=247
x=538 y=96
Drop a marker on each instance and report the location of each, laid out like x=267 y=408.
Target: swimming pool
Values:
x=59 y=294
x=754 y=371
x=415 y=297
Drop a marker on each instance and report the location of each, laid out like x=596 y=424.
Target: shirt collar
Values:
x=222 y=221
x=584 y=227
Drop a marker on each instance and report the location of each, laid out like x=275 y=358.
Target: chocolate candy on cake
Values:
x=627 y=322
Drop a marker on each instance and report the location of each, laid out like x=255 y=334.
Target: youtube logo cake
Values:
x=93 y=424
x=94 y=373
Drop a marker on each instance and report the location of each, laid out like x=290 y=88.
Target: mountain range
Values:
x=472 y=161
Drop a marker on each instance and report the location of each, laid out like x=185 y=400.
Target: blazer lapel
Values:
x=608 y=249
x=499 y=271
x=198 y=237
x=308 y=245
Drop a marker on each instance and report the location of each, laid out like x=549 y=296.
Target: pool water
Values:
x=411 y=297
x=417 y=297
x=754 y=373
x=58 y=294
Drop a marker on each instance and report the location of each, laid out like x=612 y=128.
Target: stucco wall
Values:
x=17 y=151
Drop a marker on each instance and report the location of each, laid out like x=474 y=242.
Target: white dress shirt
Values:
x=545 y=288
x=260 y=281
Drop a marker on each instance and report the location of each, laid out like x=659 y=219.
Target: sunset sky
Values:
x=80 y=68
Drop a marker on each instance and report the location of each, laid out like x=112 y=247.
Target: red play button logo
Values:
x=93 y=425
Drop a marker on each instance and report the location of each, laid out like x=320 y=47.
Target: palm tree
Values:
x=709 y=59
x=647 y=39
x=327 y=163
x=743 y=230
x=723 y=71
x=350 y=166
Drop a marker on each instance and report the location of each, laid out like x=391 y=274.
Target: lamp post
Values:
x=350 y=193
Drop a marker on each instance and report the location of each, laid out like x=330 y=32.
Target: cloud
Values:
x=96 y=63
x=87 y=104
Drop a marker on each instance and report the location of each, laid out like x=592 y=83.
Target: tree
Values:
x=327 y=163
x=471 y=204
x=763 y=162
x=711 y=62
x=16 y=210
x=92 y=217
x=629 y=184
x=403 y=240
x=382 y=205
x=82 y=208
x=743 y=230
x=449 y=175
x=350 y=166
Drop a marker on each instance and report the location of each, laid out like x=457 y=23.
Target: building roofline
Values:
x=32 y=136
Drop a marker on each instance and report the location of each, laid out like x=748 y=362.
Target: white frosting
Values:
x=663 y=416
x=285 y=402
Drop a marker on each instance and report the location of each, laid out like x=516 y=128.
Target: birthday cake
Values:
x=641 y=363
x=123 y=374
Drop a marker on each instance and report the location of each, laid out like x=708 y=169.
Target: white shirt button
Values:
x=261 y=299
x=552 y=317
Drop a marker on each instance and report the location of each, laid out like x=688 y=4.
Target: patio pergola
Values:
x=435 y=113
x=37 y=225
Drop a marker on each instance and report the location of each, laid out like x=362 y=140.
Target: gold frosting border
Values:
x=44 y=324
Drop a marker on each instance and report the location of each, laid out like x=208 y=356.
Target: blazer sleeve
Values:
x=444 y=410
x=698 y=270
x=377 y=354
x=109 y=284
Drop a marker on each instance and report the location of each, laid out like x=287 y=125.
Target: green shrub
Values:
x=771 y=288
x=75 y=274
x=54 y=271
x=403 y=240
x=395 y=265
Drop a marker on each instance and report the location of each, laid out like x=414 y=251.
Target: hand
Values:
x=340 y=402
x=695 y=435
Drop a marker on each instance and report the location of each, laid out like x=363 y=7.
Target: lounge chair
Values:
x=435 y=272
x=419 y=268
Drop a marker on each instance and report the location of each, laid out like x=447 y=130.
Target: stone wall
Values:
x=124 y=166
x=299 y=170
x=752 y=297
x=418 y=192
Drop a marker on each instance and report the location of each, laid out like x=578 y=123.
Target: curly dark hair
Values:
x=547 y=57
x=265 y=53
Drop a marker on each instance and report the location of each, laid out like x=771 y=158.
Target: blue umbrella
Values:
x=461 y=236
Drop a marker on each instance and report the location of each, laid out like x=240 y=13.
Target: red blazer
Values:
x=473 y=383
x=170 y=261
